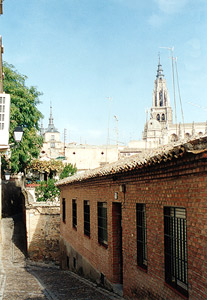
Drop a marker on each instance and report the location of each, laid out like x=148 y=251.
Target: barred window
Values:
x=63 y=210
x=86 y=218
x=102 y=223
x=176 y=264
x=141 y=236
x=74 y=208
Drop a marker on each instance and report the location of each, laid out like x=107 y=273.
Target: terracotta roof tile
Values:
x=155 y=156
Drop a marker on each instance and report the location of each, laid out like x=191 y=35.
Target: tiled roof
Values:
x=155 y=156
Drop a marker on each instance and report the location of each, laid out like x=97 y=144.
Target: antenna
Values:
x=117 y=130
x=198 y=106
x=171 y=49
x=181 y=107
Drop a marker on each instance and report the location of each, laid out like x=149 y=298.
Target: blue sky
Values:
x=79 y=52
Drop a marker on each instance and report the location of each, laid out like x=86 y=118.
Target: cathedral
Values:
x=160 y=130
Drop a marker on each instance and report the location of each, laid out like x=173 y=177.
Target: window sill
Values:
x=87 y=236
x=176 y=291
x=142 y=269
x=103 y=245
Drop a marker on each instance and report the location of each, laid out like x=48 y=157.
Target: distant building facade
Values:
x=84 y=156
x=159 y=131
x=52 y=145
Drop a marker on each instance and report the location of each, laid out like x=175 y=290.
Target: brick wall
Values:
x=179 y=183
x=43 y=232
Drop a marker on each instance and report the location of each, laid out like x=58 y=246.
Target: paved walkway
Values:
x=21 y=281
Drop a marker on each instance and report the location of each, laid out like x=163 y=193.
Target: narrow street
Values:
x=20 y=280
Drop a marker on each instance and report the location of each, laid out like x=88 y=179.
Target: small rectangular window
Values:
x=63 y=210
x=74 y=209
x=141 y=236
x=102 y=223
x=86 y=218
x=176 y=264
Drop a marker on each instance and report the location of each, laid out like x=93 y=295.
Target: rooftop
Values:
x=155 y=156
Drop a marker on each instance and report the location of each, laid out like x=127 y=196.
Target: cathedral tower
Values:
x=161 y=116
x=161 y=109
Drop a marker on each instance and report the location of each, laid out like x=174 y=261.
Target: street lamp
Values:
x=7 y=175
x=18 y=133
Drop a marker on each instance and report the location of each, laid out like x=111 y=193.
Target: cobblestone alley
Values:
x=20 y=280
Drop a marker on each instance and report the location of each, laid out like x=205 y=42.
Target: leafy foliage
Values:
x=24 y=101
x=47 y=191
x=69 y=170
x=50 y=167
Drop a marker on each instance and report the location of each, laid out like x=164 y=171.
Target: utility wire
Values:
x=181 y=107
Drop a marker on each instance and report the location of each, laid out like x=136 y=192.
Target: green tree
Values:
x=47 y=191
x=68 y=170
x=24 y=101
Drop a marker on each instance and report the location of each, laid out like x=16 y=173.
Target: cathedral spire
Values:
x=159 y=69
x=51 y=117
x=161 y=110
x=51 y=126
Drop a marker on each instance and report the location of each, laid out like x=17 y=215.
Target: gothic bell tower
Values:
x=161 y=109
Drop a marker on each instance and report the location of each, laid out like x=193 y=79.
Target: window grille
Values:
x=86 y=218
x=176 y=264
x=141 y=236
x=63 y=210
x=74 y=213
x=102 y=223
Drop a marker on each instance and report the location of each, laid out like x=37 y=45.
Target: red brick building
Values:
x=141 y=223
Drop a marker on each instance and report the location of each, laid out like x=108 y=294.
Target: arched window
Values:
x=161 y=98
x=163 y=117
x=165 y=99
x=158 y=117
